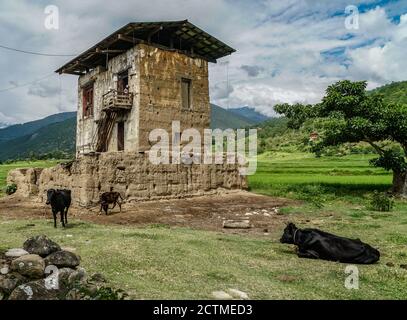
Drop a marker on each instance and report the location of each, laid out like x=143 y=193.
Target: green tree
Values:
x=348 y=113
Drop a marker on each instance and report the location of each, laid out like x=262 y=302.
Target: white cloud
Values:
x=285 y=49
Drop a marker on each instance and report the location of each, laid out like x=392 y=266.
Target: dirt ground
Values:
x=205 y=212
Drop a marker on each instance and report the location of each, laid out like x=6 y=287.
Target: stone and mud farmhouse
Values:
x=142 y=77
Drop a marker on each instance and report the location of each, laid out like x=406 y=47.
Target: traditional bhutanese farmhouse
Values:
x=142 y=77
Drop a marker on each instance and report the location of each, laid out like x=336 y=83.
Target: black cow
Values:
x=107 y=198
x=316 y=244
x=60 y=201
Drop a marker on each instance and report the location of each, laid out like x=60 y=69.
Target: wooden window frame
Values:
x=186 y=106
x=88 y=100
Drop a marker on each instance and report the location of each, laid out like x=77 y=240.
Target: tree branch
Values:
x=375 y=146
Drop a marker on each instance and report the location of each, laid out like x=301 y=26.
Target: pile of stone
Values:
x=42 y=270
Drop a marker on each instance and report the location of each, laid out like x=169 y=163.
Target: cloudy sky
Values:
x=287 y=51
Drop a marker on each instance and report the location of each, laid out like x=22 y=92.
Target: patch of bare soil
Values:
x=206 y=212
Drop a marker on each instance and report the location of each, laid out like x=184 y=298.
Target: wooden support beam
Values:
x=127 y=38
x=98 y=50
x=153 y=32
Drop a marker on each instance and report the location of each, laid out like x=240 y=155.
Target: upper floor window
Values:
x=87 y=101
x=123 y=82
x=186 y=93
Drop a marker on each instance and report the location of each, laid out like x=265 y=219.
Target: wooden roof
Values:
x=180 y=36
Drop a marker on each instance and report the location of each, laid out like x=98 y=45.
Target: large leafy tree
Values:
x=348 y=113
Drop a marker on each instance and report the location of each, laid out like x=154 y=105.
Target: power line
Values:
x=28 y=83
x=37 y=53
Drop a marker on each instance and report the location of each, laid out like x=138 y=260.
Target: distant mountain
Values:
x=250 y=113
x=20 y=130
x=394 y=92
x=224 y=119
x=4 y=125
x=58 y=136
x=57 y=133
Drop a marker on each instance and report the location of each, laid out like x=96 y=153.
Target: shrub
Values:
x=381 y=202
x=11 y=188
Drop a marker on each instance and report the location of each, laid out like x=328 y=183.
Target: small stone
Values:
x=236 y=224
x=30 y=265
x=35 y=290
x=221 y=295
x=63 y=259
x=10 y=281
x=15 y=253
x=4 y=267
x=79 y=275
x=97 y=277
x=238 y=294
x=390 y=264
x=41 y=245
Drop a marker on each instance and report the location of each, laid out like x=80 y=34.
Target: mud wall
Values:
x=155 y=77
x=131 y=174
x=161 y=73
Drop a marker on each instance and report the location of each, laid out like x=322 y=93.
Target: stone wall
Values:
x=133 y=175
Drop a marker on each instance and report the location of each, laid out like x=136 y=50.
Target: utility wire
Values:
x=28 y=83
x=38 y=53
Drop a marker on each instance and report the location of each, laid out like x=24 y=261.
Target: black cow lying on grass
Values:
x=107 y=198
x=316 y=244
x=60 y=201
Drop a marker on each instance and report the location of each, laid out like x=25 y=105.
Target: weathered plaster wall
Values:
x=161 y=72
x=155 y=80
x=131 y=174
x=103 y=80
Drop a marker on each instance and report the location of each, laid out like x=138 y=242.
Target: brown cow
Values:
x=107 y=198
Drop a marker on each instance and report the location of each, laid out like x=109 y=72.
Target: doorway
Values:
x=120 y=136
x=122 y=81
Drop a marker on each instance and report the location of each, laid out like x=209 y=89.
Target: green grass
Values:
x=179 y=263
x=160 y=262
x=291 y=175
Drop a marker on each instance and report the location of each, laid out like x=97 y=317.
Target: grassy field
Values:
x=303 y=176
x=5 y=168
x=179 y=263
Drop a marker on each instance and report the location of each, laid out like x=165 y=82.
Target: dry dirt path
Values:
x=205 y=212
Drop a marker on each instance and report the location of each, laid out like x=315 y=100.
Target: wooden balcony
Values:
x=117 y=101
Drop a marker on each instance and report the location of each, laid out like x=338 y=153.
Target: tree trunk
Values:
x=400 y=183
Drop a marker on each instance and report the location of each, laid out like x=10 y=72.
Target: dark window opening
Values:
x=120 y=136
x=87 y=101
x=123 y=81
x=186 y=93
